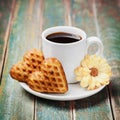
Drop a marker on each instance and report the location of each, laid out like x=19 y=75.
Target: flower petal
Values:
x=84 y=72
x=85 y=81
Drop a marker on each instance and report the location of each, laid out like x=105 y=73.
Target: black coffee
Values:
x=61 y=37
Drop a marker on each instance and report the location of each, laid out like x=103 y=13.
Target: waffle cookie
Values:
x=31 y=62
x=50 y=79
x=20 y=71
x=34 y=59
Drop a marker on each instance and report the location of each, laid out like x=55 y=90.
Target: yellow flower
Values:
x=93 y=72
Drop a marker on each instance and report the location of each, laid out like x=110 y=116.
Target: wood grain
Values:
x=109 y=23
x=96 y=107
x=53 y=15
x=15 y=103
x=83 y=16
x=5 y=9
x=27 y=20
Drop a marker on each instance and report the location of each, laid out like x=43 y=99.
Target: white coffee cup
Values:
x=69 y=54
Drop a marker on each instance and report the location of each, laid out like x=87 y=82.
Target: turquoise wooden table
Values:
x=21 y=25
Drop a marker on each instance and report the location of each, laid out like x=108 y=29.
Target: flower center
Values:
x=94 y=72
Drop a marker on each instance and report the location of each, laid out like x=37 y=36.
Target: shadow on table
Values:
x=95 y=100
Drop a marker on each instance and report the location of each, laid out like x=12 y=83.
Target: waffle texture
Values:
x=31 y=62
x=41 y=75
x=50 y=79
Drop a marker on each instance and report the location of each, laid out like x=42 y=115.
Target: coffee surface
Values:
x=61 y=37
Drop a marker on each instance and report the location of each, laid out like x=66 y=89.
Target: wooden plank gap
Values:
x=67 y=5
x=6 y=38
x=110 y=101
x=98 y=34
x=39 y=46
x=41 y=21
x=30 y=10
x=72 y=110
x=34 y=114
x=95 y=18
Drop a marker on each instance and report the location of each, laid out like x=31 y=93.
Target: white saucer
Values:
x=74 y=92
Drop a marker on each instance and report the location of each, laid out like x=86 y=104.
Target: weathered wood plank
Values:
x=53 y=14
x=83 y=16
x=52 y=110
x=15 y=102
x=96 y=107
x=27 y=26
x=109 y=21
x=5 y=8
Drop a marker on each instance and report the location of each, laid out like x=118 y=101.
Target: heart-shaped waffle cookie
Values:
x=31 y=62
x=42 y=75
x=50 y=79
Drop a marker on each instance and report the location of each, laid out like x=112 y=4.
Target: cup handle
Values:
x=95 y=40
